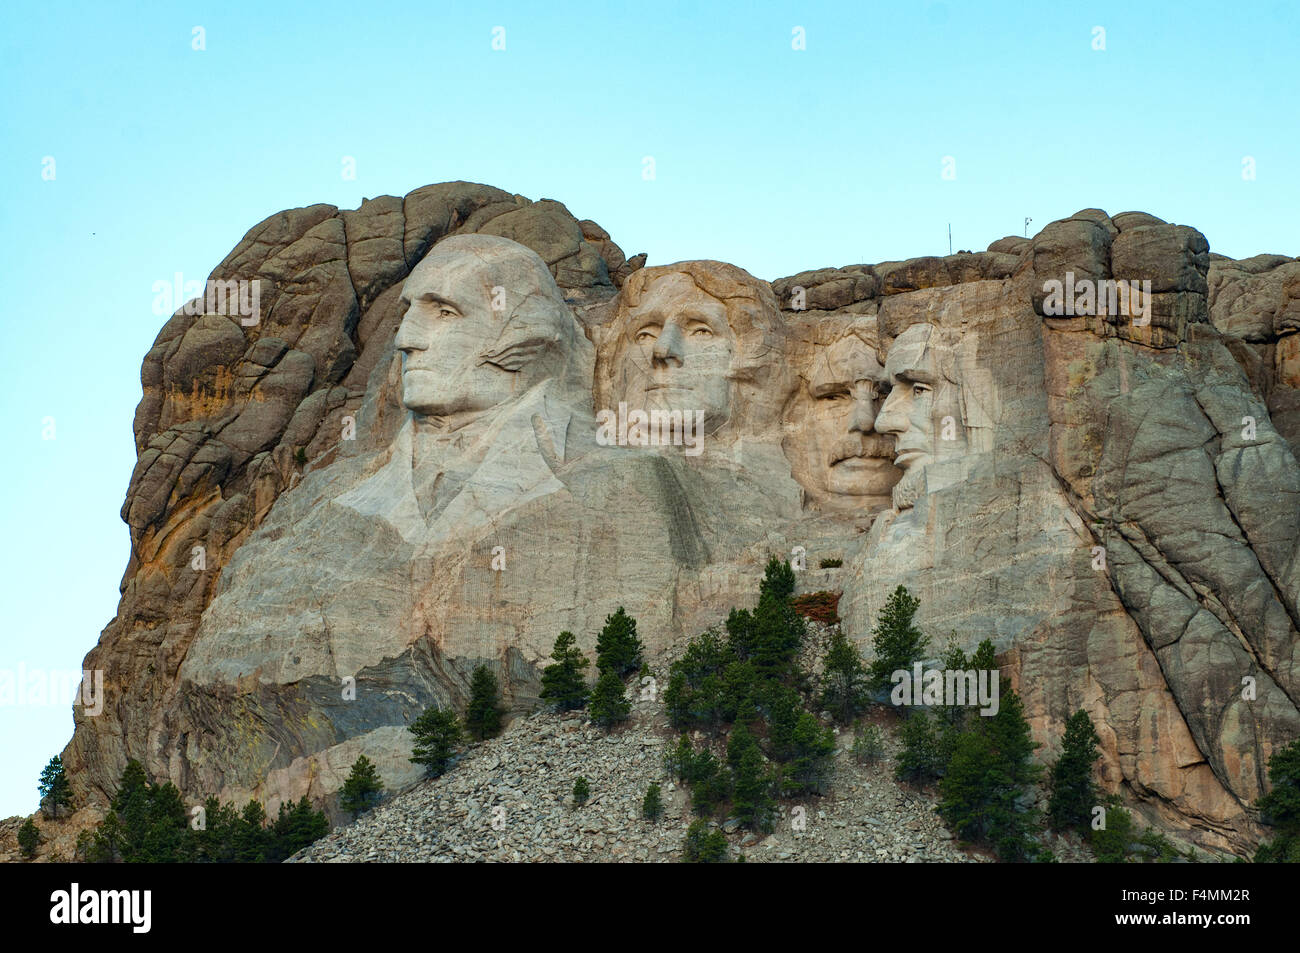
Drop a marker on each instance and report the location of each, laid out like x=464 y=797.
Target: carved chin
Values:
x=908 y=490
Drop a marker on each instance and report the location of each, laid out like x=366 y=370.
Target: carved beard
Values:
x=909 y=489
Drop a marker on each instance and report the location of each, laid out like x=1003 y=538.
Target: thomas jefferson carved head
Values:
x=484 y=322
x=699 y=336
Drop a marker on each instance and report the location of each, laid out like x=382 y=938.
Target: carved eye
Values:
x=839 y=395
x=702 y=332
x=919 y=389
x=446 y=312
x=647 y=335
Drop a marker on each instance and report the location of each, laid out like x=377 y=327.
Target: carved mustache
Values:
x=869 y=446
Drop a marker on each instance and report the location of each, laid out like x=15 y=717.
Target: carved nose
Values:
x=407 y=340
x=668 y=347
x=863 y=419
x=891 y=418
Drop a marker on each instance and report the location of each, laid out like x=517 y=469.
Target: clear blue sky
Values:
x=775 y=159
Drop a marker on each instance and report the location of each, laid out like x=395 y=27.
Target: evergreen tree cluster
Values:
x=148 y=823
x=618 y=653
x=984 y=764
x=1280 y=807
x=744 y=687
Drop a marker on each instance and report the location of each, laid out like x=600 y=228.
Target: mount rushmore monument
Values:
x=464 y=421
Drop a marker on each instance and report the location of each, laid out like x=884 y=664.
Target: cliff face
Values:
x=1111 y=497
x=227 y=408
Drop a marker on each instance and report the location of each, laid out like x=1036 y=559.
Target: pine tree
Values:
x=704 y=846
x=1074 y=793
x=778 y=579
x=808 y=771
x=483 y=716
x=896 y=640
x=609 y=704
x=296 y=826
x=618 y=649
x=252 y=840
x=708 y=783
x=918 y=762
x=740 y=633
x=54 y=788
x=751 y=782
x=1111 y=843
x=363 y=787
x=29 y=838
x=680 y=759
x=581 y=791
x=437 y=735
x=778 y=632
x=844 y=679
x=1280 y=807
x=990 y=772
x=677 y=700
x=652 y=808
x=563 y=683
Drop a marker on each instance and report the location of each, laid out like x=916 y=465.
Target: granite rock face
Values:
x=465 y=422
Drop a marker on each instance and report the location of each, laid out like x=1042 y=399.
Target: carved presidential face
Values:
x=846 y=386
x=923 y=410
x=484 y=321
x=678 y=351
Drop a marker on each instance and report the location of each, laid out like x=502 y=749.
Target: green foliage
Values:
x=783 y=706
x=990 y=772
x=778 y=580
x=1111 y=844
x=740 y=633
x=483 y=716
x=703 y=845
x=300 y=456
x=811 y=761
x=1161 y=848
x=652 y=807
x=29 y=838
x=1280 y=807
x=920 y=760
x=148 y=823
x=609 y=704
x=844 y=679
x=897 y=641
x=581 y=791
x=437 y=735
x=697 y=689
x=563 y=683
x=778 y=633
x=868 y=743
x=54 y=788
x=618 y=649
x=294 y=828
x=751 y=781
x=708 y=783
x=363 y=787
x=678 y=761
x=831 y=563
x=1073 y=791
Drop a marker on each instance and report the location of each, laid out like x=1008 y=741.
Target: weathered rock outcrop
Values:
x=1081 y=445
